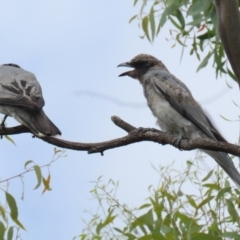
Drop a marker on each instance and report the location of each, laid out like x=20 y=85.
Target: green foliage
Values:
x=10 y=139
x=194 y=24
x=13 y=209
x=9 y=210
x=185 y=205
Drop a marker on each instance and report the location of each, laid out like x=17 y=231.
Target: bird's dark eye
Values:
x=144 y=64
x=141 y=64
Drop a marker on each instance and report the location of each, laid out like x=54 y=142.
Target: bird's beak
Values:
x=126 y=64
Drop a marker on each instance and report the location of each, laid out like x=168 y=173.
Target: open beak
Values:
x=126 y=64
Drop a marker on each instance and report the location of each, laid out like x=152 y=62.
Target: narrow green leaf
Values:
x=179 y=41
x=167 y=220
x=10 y=139
x=158 y=28
x=135 y=2
x=118 y=230
x=191 y=201
x=38 y=172
x=235 y=104
x=147 y=205
x=144 y=3
x=148 y=219
x=143 y=229
x=13 y=209
x=2 y=211
x=170 y=197
x=204 y=61
x=19 y=224
x=208 y=35
x=145 y=27
x=180 y=18
x=99 y=228
x=195 y=48
x=135 y=224
x=27 y=162
x=166 y=13
x=152 y=22
x=109 y=220
x=10 y=233
x=2 y=230
x=223 y=191
x=226 y=119
x=208 y=176
x=175 y=23
x=12 y=205
x=205 y=201
x=232 y=211
x=132 y=18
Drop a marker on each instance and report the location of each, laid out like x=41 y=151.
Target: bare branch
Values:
x=134 y=135
x=229 y=30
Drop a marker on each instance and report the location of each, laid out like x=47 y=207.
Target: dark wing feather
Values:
x=19 y=88
x=180 y=98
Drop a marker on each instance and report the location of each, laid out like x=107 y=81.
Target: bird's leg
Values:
x=2 y=125
x=179 y=138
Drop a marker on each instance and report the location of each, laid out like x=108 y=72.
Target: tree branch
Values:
x=134 y=135
x=228 y=17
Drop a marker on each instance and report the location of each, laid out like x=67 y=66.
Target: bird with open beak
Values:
x=177 y=112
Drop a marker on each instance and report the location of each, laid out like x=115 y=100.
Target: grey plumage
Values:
x=21 y=98
x=172 y=103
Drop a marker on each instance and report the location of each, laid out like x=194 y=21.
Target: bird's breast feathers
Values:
x=168 y=118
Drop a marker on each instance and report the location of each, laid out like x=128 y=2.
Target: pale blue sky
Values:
x=74 y=46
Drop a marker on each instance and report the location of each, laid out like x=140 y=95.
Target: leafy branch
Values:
x=169 y=213
x=209 y=27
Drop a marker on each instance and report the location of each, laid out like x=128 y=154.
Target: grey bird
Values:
x=177 y=112
x=21 y=98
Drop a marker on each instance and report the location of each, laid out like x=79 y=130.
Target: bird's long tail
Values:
x=227 y=165
x=36 y=121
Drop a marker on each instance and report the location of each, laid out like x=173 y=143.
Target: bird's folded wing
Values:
x=180 y=98
x=19 y=88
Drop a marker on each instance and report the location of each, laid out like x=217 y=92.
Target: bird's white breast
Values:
x=168 y=118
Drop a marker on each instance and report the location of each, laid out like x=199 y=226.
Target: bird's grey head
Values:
x=141 y=64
